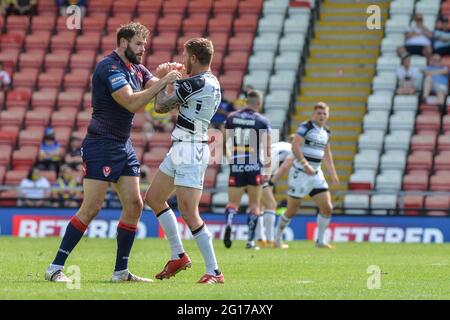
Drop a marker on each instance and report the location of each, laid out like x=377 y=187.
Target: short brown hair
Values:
x=321 y=105
x=202 y=48
x=254 y=97
x=128 y=31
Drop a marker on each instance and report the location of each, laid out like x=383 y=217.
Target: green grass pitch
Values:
x=408 y=271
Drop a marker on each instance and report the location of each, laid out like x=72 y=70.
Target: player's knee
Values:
x=327 y=209
x=88 y=214
x=135 y=206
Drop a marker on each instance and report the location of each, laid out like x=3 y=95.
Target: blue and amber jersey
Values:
x=109 y=119
x=247 y=127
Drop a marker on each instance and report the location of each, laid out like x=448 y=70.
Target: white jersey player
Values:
x=183 y=168
x=310 y=145
x=282 y=159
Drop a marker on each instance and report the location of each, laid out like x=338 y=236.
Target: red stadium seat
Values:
x=2 y=173
x=12 y=41
x=115 y=22
x=62 y=135
x=43 y=23
x=195 y=23
x=47 y=8
x=442 y=161
x=12 y=118
x=25 y=78
x=420 y=160
x=37 y=118
x=428 y=122
x=156 y=58
x=174 y=6
x=51 y=79
x=413 y=202
x=440 y=181
x=108 y=42
x=124 y=7
x=37 y=41
x=77 y=79
x=439 y=203
x=82 y=60
x=444 y=142
x=220 y=23
x=62 y=119
x=44 y=98
x=426 y=142
x=64 y=40
x=13 y=177
x=18 y=23
x=181 y=40
x=100 y=6
x=199 y=6
x=88 y=41
x=250 y=6
x=169 y=23
x=24 y=158
x=31 y=59
x=446 y=123
x=220 y=41
x=5 y=158
x=8 y=136
x=231 y=80
x=31 y=137
x=8 y=198
x=147 y=19
x=149 y=6
x=94 y=24
x=18 y=98
x=83 y=118
x=70 y=99
x=415 y=181
x=58 y=59
x=246 y=23
x=236 y=61
x=154 y=156
x=165 y=42
x=241 y=42
x=225 y=6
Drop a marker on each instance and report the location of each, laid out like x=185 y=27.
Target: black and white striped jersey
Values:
x=200 y=97
x=316 y=139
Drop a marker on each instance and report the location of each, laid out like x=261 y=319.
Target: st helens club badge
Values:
x=106 y=171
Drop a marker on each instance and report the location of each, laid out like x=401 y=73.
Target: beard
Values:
x=131 y=56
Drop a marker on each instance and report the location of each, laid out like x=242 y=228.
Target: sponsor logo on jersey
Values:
x=187 y=86
x=354 y=232
x=106 y=171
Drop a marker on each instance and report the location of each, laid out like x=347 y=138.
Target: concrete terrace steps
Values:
x=339 y=71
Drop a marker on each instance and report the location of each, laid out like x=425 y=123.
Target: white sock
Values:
x=169 y=224
x=269 y=224
x=55 y=267
x=204 y=241
x=259 y=232
x=322 y=224
x=282 y=224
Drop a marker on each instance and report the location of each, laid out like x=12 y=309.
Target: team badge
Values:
x=106 y=171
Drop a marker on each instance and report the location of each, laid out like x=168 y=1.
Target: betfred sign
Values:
x=353 y=232
x=55 y=226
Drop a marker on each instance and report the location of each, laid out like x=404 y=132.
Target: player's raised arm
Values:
x=133 y=101
x=329 y=163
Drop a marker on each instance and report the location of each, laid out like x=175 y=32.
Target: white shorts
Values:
x=186 y=162
x=300 y=184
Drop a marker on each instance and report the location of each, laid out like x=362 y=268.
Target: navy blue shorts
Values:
x=242 y=175
x=108 y=160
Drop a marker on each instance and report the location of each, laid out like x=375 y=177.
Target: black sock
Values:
x=74 y=232
x=252 y=220
x=125 y=239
